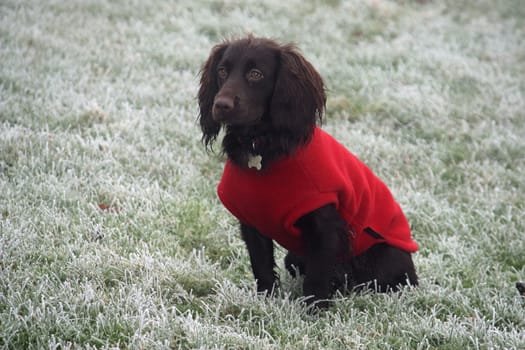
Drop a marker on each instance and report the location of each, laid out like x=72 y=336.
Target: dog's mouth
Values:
x=237 y=119
x=243 y=122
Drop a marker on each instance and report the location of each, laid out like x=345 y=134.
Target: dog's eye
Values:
x=255 y=75
x=222 y=73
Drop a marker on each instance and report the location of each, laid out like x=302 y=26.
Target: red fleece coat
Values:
x=323 y=172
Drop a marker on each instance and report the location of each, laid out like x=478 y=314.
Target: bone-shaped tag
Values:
x=255 y=161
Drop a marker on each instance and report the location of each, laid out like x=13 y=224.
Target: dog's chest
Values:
x=271 y=201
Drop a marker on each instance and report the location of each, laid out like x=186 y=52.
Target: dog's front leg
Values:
x=260 y=249
x=321 y=231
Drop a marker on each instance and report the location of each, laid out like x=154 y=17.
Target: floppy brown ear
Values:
x=299 y=96
x=208 y=89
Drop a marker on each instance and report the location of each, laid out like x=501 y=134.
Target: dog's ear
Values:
x=209 y=87
x=299 y=96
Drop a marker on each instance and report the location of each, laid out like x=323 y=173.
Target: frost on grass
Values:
x=110 y=232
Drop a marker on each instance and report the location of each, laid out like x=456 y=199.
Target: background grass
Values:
x=111 y=234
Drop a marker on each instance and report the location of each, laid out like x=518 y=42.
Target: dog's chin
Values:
x=238 y=121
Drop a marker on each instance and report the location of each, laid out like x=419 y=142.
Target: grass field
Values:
x=111 y=235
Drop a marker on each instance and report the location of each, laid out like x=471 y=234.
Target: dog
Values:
x=286 y=180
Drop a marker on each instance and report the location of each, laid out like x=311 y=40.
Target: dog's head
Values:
x=254 y=82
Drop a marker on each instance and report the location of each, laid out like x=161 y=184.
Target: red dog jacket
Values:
x=320 y=173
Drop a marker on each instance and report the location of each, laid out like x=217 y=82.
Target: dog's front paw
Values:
x=315 y=291
x=268 y=288
x=315 y=306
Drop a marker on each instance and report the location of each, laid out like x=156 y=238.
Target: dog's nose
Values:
x=224 y=104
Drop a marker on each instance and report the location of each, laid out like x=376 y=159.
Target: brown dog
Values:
x=287 y=180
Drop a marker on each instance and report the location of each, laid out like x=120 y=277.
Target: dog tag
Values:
x=255 y=161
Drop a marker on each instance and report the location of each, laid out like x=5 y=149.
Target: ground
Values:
x=111 y=232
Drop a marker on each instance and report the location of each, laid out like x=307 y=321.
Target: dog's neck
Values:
x=256 y=144
x=246 y=148
x=245 y=144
